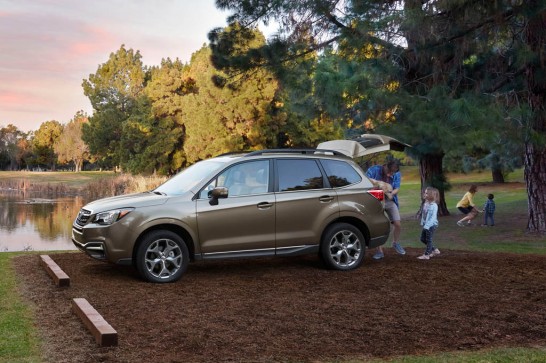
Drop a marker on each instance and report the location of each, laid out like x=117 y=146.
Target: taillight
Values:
x=377 y=193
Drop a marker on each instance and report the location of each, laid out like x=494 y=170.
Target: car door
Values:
x=243 y=224
x=304 y=206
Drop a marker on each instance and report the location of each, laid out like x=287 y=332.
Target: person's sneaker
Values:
x=378 y=255
x=424 y=257
x=399 y=249
x=434 y=252
x=460 y=224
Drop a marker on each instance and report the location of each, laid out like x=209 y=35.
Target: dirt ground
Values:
x=293 y=310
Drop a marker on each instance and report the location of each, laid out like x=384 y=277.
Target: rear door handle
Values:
x=326 y=199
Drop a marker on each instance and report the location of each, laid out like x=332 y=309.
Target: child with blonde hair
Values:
x=429 y=221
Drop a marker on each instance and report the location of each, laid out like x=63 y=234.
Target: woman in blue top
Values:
x=429 y=221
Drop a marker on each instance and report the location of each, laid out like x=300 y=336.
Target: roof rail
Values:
x=295 y=151
x=230 y=153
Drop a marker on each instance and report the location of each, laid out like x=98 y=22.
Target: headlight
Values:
x=111 y=216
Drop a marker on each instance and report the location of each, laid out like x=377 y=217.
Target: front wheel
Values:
x=342 y=247
x=162 y=257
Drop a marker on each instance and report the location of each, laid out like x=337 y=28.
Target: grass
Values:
x=18 y=337
x=69 y=179
x=510 y=216
x=499 y=355
x=94 y=184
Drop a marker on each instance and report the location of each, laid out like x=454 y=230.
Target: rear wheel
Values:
x=162 y=257
x=342 y=247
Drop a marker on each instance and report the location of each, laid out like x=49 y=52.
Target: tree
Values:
x=308 y=119
x=70 y=147
x=43 y=141
x=535 y=144
x=300 y=118
x=425 y=52
x=227 y=119
x=114 y=91
x=169 y=84
x=10 y=142
x=24 y=152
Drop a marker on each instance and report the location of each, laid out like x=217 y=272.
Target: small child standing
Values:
x=489 y=210
x=429 y=221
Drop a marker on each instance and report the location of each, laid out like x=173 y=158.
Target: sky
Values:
x=48 y=47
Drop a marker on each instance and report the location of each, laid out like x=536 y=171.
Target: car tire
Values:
x=162 y=256
x=342 y=247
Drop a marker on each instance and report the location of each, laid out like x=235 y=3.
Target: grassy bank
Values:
x=68 y=179
x=20 y=343
x=18 y=338
x=92 y=183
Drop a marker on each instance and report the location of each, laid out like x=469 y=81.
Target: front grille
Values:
x=83 y=217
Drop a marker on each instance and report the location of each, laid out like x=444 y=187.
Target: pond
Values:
x=30 y=221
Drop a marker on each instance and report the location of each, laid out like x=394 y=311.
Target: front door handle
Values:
x=326 y=199
x=264 y=205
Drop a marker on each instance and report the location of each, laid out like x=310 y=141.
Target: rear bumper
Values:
x=378 y=241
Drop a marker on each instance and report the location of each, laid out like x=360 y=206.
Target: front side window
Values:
x=242 y=179
x=340 y=173
x=299 y=174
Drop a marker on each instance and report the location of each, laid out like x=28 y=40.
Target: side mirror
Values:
x=217 y=193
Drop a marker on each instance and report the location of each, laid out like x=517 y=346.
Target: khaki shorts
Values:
x=392 y=210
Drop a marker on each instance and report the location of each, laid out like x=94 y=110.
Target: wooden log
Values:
x=104 y=334
x=60 y=278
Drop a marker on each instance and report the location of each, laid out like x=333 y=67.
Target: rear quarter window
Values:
x=340 y=173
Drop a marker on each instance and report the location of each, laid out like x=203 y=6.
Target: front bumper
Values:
x=95 y=249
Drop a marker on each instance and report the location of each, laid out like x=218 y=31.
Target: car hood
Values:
x=135 y=200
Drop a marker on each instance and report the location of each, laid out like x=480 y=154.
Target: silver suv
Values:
x=264 y=203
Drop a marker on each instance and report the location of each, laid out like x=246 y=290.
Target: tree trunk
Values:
x=535 y=175
x=535 y=152
x=432 y=174
x=498 y=176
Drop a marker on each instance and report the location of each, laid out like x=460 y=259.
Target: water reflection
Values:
x=34 y=222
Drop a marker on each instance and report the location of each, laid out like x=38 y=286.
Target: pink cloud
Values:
x=91 y=40
x=48 y=47
x=11 y=100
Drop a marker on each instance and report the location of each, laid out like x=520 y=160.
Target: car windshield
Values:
x=189 y=177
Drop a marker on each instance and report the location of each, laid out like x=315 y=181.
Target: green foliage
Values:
x=219 y=120
x=43 y=144
x=169 y=84
x=419 y=71
x=13 y=147
x=70 y=147
x=152 y=144
x=114 y=91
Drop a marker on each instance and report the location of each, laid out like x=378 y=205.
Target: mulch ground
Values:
x=291 y=309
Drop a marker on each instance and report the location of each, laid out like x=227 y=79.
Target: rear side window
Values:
x=340 y=173
x=299 y=175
